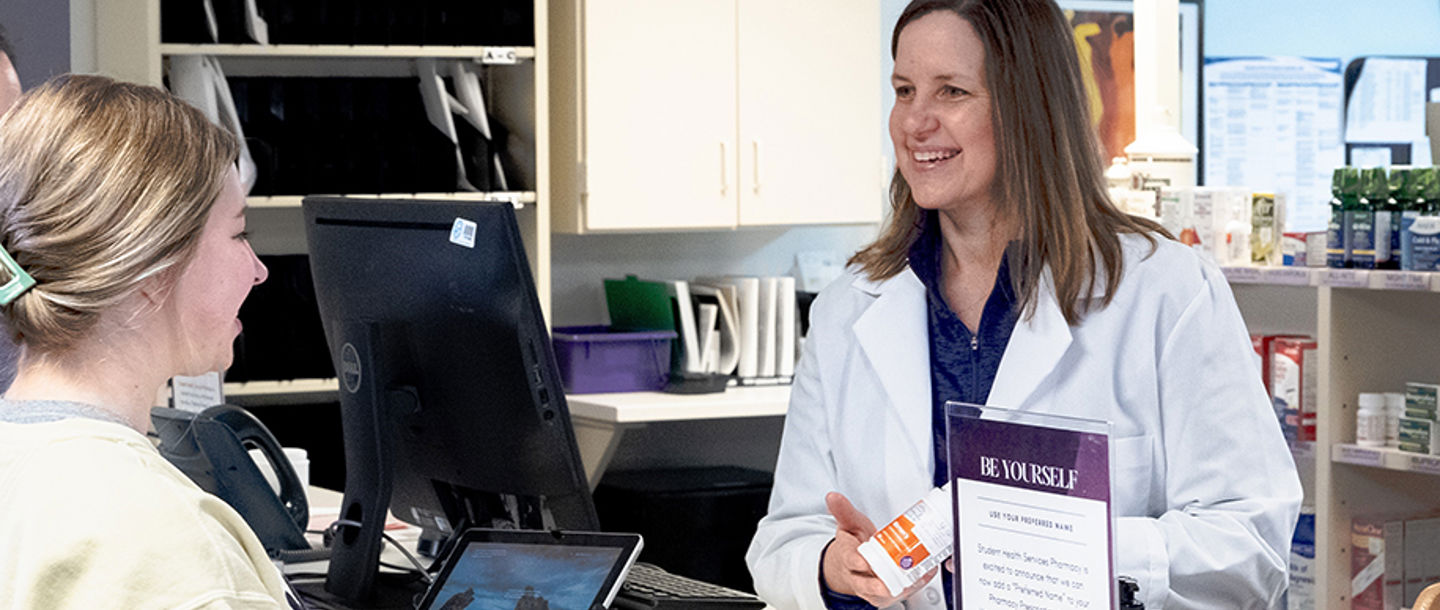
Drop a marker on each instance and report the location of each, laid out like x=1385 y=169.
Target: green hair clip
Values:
x=19 y=280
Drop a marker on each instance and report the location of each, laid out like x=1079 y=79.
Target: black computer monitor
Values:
x=451 y=404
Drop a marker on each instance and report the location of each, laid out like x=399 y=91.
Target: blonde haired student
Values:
x=123 y=262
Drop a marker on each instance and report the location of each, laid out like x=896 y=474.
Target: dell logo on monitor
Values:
x=350 y=368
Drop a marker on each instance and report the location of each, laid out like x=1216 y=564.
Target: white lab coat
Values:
x=1205 y=490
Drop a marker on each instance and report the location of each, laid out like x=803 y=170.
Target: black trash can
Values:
x=696 y=522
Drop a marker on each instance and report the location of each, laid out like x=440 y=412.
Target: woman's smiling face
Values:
x=941 y=122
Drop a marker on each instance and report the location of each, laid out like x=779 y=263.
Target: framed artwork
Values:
x=1105 y=39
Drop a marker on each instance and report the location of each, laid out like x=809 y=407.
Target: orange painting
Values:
x=1106 y=45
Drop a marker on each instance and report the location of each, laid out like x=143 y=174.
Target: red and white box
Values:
x=1293 y=370
x=1264 y=348
x=1377 y=558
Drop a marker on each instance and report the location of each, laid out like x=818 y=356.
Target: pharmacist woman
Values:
x=1006 y=277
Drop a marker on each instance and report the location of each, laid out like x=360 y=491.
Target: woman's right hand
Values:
x=845 y=570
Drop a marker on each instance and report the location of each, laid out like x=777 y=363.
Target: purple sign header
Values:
x=1051 y=460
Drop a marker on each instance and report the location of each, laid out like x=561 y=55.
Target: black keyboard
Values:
x=649 y=586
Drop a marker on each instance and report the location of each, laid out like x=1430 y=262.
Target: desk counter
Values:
x=600 y=419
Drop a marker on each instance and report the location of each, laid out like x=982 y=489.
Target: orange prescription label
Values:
x=913 y=544
x=900 y=542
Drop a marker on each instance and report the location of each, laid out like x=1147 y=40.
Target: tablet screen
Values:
x=532 y=570
x=515 y=576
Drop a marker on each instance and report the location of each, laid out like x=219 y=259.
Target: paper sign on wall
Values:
x=1273 y=124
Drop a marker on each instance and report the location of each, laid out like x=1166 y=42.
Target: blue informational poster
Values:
x=1032 y=520
x=1273 y=124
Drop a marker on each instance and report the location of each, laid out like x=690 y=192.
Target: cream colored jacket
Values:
x=92 y=516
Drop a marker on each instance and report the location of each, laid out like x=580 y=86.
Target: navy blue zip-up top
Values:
x=962 y=363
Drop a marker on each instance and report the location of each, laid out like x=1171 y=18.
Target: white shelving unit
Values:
x=518 y=198
x=1376 y=330
x=129 y=47
x=294 y=391
x=484 y=54
x=1376 y=279
x=1385 y=458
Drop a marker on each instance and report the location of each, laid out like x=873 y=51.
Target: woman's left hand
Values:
x=845 y=570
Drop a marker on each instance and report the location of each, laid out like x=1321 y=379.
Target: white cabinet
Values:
x=810 y=118
x=1376 y=330
x=659 y=117
x=712 y=114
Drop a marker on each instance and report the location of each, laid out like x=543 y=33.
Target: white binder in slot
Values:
x=744 y=296
x=705 y=331
x=439 y=109
x=255 y=25
x=727 y=330
x=767 y=348
x=212 y=24
x=685 y=314
x=501 y=183
x=469 y=100
x=199 y=80
x=785 y=326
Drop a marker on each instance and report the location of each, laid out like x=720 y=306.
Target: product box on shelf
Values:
x=1267 y=220
x=1233 y=229
x=1198 y=222
x=1396 y=560
x=1215 y=221
x=1377 y=562
x=1421 y=400
x=1418 y=432
x=1292 y=249
x=1175 y=204
x=1423 y=241
x=1421 y=564
x=1418 y=435
x=1315 y=246
x=1293 y=385
x=1301 y=595
x=1264 y=348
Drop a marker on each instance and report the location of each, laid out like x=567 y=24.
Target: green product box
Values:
x=1420 y=400
x=1414 y=448
x=1416 y=435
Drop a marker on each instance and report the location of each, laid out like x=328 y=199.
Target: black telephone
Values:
x=212 y=448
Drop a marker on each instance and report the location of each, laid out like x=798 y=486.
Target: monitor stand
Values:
x=391 y=591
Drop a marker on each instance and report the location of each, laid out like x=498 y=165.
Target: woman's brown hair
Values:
x=1049 y=174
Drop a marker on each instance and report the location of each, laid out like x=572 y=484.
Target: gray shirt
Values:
x=43 y=411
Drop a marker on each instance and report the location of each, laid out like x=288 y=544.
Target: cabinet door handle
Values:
x=724 y=179
x=755 y=148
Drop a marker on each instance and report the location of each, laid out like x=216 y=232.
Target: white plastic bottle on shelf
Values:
x=1394 y=410
x=1237 y=243
x=1117 y=176
x=1370 y=420
x=1161 y=156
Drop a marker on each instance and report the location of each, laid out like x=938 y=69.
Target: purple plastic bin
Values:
x=594 y=359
